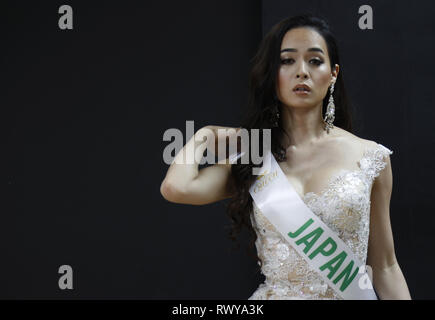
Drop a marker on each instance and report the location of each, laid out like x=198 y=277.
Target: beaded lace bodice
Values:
x=344 y=206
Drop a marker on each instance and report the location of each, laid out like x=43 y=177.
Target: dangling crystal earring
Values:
x=330 y=111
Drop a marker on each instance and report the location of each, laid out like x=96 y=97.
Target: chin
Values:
x=300 y=104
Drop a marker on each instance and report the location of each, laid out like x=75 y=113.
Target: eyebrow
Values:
x=295 y=50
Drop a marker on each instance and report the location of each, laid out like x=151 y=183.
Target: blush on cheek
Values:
x=324 y=81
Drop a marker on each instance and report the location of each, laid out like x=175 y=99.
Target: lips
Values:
x=302 y=88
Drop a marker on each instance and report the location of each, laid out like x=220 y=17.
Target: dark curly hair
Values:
x=261 y=99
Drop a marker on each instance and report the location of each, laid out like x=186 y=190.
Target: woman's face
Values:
x=304 y=60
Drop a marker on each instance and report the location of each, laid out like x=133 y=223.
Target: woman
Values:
x=296 y=89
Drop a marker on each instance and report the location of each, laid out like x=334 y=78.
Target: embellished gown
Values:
x=344 y=206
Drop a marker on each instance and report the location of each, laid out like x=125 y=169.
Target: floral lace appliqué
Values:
x=344 y=206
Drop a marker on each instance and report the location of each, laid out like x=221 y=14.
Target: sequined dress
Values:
x=344 y=206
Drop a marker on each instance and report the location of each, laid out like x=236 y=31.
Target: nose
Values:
x=302 y=72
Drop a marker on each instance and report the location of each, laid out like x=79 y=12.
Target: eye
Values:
x=317 y=61
x=286 y=61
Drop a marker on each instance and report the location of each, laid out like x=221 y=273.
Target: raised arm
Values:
x=186 y=184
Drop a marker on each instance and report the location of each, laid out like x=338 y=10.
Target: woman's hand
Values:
x=224 y=137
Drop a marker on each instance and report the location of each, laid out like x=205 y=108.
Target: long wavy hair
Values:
x=261 y=103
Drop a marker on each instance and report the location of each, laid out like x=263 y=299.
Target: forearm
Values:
x=390 y=284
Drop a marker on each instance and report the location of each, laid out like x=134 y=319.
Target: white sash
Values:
x=324 y=251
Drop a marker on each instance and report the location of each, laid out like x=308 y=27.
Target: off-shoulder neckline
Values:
x=367 y=153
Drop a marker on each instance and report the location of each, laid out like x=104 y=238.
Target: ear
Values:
x=335 y=72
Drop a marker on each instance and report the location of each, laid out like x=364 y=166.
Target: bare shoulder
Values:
x=367 y=144
x=352 y=142
x=385 y=175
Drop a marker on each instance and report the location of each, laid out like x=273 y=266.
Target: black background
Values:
x=84 y=113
